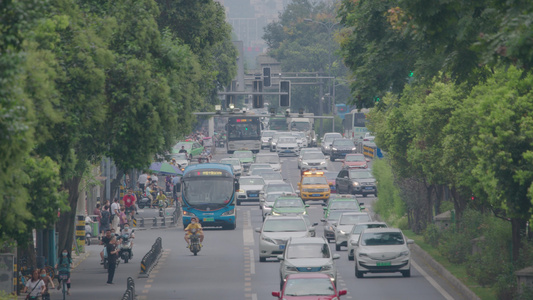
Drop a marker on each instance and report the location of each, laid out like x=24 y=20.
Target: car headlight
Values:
x=274 y=143
x=404 y=253
x=267 y=239
x=230 y=212
x=353 y=149
x=335 y=149
x=274 y=213
x=362 y=254
x=304 y=163
x=291 y=268
x=326 y=268
x=322 y=162
x=240 y=191
x=355 y=183
x=342 y=232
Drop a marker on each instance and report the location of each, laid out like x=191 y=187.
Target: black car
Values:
x=356 y=181
x=341 y=147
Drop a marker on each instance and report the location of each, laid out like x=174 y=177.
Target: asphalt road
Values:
x=228 y=266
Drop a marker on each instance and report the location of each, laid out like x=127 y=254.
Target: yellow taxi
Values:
x=314 y=186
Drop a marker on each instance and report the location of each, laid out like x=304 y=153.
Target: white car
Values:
x=356 y=231
x=276 y=186
x=258 y=166
x=287 y=145
x=327 y=140
x=250 y=187
x=306 y=150
x=307 y=254
x=181 y=159
x=269 y=158
x=235 y=164
x=312 y=160
x=275 y=233
x=266 y=135
x=274 y=139
x=382 y=250
x=267 y=203
x=271 y=176
x=301 y=139
x=345 y=225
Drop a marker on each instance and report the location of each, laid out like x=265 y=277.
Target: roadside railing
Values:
x=129 y=294
x=151 y=258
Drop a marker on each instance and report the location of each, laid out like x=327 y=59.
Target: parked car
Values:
x=382 y=250
x=341 y=147
x=309 y=286
x=356 y=181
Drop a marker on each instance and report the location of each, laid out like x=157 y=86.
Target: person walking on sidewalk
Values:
x=112 y=256
x=64 y=264
x=115 y=213
x=35 y=286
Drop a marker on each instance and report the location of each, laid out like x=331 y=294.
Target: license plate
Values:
x=368 y=188
x=316 y=195
x=383 y=264
x=281 y=247
x=287 y=151
x=253 y=195
x=209 y=219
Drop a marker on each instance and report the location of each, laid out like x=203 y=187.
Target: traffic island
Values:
x=151 y=258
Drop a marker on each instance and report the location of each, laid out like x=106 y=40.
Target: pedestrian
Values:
x=47 y=281
x=64 y=263
x=155 y=179
x=122 y=218
x=35 y=285
x=175 y=187
x=129 y=202
x=142 y=180
x=105 y=220
x=115 y=210
x=112 y=256
x=98 y=214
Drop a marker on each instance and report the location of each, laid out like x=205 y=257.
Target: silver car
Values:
x=271 y=176
x=311 y=254
x=258 y=166
x=269 y=158
x=267 y=203
x=312 y=160
x=235 y=164
x=301 y=139
x=275 y=233
x=382 y=250
x=345 y=225
x=306 y=150
x=287 y=145
x=250 y=187
x=356 y=231
x=328 y=139
x=276 y=186
x=266 y=135
x=274 y=139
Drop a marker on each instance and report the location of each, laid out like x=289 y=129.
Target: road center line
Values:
x=252 y=262
x=247 y=231
x=432 y=281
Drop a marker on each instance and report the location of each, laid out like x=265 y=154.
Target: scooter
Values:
x=88 y=234
x=125 y=248
x=194 y=240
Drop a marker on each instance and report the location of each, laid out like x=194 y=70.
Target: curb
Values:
x=80 y=259
x=456 y=283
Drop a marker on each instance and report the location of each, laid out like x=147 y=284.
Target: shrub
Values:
x=432 y=235
x=455 y=245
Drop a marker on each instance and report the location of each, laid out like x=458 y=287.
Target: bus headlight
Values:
x=188 y=214
x=230 y=212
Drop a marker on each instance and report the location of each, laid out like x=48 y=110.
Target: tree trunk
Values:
x=439 y=192
x=517 y=228
x=66 y=224
x=115 y=184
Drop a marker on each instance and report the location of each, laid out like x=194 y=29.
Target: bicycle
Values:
x=63 y=277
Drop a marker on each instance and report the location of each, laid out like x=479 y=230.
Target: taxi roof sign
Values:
x=313 y=173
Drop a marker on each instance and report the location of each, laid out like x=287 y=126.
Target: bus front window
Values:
x=201 y=191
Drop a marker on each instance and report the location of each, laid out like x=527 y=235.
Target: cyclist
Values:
x=63 y=266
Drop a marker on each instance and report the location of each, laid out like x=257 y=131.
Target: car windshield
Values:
x=287 y=140
x=354 y=158
x=331 y=137
x=360 y=174
x=357 y=229
x=288 y=203
x=354 y=219
x=187 y=146
x=300 y=126
x=269 y=159
x=343 y=143
x=279 y=188
x=309 y=287
x=382 y=239
x=259 y=166
x=331 y=175
x=268 y=134
x=272 y=197
x=313 y=155
x=243 y=154
x=233 y=162
x=260 y=171
x=251 y=181
x=314 y=180
x=272 y=176
x=344 y=205
x=334 y=215
x=179 y=156
x=284 y=225
x=308 y=251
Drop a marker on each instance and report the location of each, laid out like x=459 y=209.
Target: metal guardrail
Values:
x=129 y=294
x=160 y=222
x=150 y=259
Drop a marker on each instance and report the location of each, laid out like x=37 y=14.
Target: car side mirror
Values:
x=307 y=205
x=336 y=256
x=323 y=220
x=410 y=241
x=276 y=294
x=315 y=224
x=280 y=257
x=258 y=230
x=354 y=243
x=237 y=185
x=343 y=292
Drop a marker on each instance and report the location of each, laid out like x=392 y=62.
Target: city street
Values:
x=228 y=266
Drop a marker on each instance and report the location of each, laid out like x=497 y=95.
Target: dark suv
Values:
x=356 y=181
x=341 y=147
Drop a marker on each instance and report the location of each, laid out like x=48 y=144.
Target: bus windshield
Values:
x=302 y=126
x=208 y=192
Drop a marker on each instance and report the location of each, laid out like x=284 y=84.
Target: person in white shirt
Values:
x=142 y=180
x=154 y=178
x=115 y=212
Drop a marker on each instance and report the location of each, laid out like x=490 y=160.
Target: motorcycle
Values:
x=125 y=248
x=88 y=234
x=203 y=159
x=162 y=204
x=194 y=240
x=144 y=201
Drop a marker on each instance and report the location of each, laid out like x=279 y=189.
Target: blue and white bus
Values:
x=208 y=192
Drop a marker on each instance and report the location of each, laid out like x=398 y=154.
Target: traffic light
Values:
x=376 y=99
x=285 y=87
x=411 y=73
x=266 y=77
x=258 y=99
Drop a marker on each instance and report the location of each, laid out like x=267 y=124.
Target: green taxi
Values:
x=342 y=202
x=289 y=205
x=193 y=148
x=246 y=157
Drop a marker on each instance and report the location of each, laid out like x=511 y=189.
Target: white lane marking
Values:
x=252 y=262
x=247 y=232
x=432 y=281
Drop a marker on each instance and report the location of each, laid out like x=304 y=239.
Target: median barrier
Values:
x=129 y=294
x=151 y=258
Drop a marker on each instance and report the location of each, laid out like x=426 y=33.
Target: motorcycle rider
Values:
x=104 y=241
x=127 y=231
x=195 y=224
x=160 y=199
